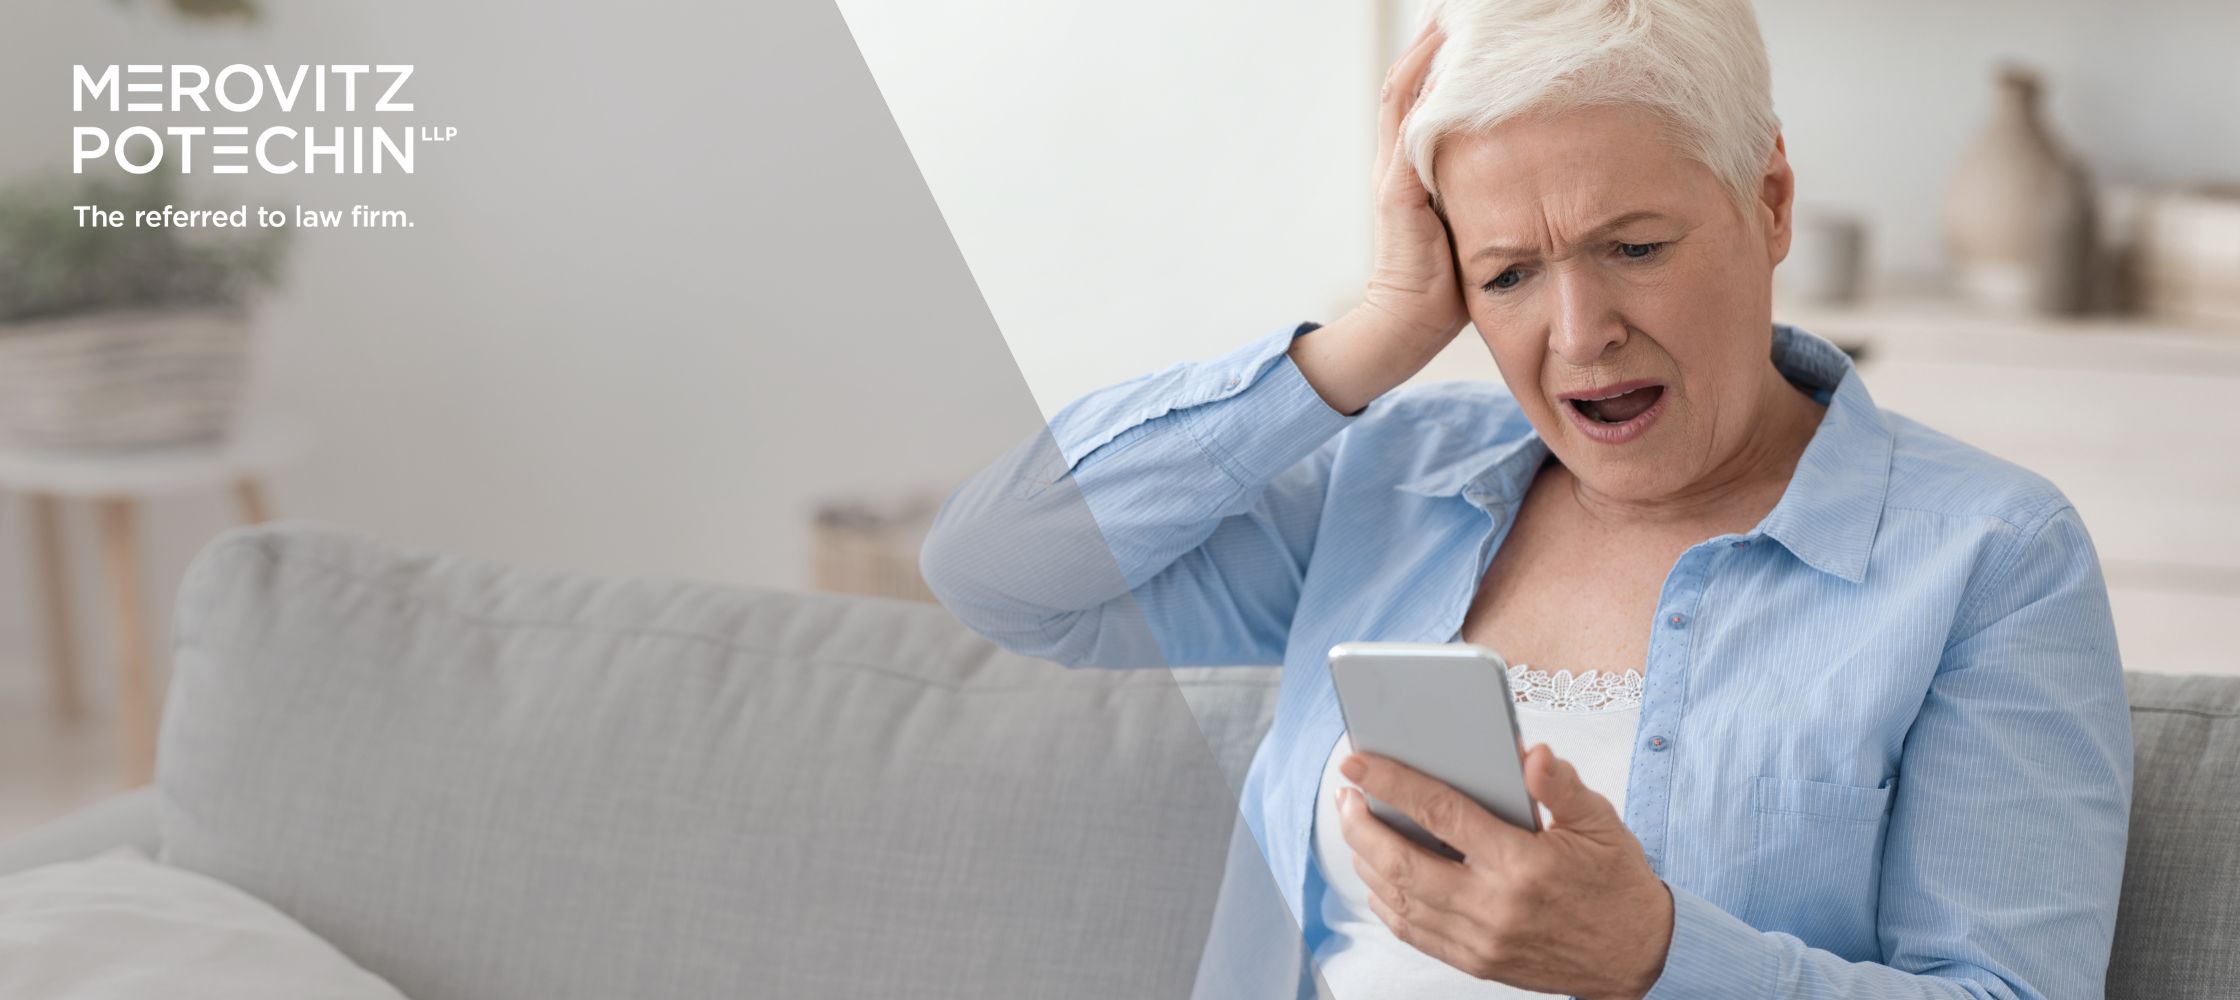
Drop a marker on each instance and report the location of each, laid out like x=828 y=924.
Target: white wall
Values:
x=1131 y=184
x=1138 y=183
x=1134 y=184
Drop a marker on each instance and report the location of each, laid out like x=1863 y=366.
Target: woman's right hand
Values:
x=1413 y=305
x=1414 y=281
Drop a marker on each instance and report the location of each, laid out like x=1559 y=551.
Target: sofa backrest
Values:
x=504 y=784
x=494 y=783
x=2178 y=933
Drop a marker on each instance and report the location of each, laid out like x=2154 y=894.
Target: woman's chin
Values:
x=1640 y=471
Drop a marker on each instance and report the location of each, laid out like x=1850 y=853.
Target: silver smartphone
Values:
x=1440 y=708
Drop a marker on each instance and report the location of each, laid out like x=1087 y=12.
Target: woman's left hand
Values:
x=1573 y=909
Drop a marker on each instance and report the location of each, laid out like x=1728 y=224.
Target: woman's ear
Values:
x=1777 y=191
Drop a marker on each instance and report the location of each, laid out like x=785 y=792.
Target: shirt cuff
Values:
x=1713 y=954
x=1271 y=417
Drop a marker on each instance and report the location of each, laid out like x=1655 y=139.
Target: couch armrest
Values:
x=125 y=820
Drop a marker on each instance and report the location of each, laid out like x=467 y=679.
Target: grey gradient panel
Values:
x=526 y=701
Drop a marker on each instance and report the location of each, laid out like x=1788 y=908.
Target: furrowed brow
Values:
x=1598 y=232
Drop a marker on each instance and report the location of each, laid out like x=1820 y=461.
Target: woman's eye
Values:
x=1639 y=250
x=1505 y=280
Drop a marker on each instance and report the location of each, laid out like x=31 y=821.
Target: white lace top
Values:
x=1586 y=718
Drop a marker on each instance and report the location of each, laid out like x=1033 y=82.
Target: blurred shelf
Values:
x=2132 y=417
x=1927 y=327
x=255 y=450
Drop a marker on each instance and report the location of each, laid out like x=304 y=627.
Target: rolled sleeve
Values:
x=1286 y=421
x=1274 y=417
x=1167 y=518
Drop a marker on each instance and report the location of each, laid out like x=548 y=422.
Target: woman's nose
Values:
x=1586 y=325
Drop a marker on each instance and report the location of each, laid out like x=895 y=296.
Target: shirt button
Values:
x=1740 y=544
x=1657 y=743
x=1677 y=621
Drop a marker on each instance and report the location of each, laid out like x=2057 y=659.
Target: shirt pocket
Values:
x=1816 y=862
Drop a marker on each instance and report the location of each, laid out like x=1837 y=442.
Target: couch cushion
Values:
x=2178 y=933
x=64 y=926
x=483 y=782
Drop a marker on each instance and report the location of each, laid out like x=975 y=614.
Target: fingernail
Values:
x=1353 y=768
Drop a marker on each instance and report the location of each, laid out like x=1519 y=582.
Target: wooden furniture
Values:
x=871 y=550
x=115 y=486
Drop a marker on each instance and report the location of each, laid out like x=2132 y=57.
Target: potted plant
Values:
x=121 y=338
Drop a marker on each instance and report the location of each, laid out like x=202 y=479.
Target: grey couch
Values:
x=494 y=783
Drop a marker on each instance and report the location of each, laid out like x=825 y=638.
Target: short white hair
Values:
x=1699 y=65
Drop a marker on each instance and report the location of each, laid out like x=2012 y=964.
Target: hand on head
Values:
x=1412 y=307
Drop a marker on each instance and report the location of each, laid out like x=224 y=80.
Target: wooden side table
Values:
x=115 y=486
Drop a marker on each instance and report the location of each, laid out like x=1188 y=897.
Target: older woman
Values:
x=1821 y=702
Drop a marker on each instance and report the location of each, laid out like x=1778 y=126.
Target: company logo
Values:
x=171 y=90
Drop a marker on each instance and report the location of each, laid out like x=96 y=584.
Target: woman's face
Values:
x=1627 y=304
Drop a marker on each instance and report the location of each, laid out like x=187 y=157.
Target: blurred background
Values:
x=2022 y=215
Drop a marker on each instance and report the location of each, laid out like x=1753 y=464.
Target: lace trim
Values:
x=1564 y=691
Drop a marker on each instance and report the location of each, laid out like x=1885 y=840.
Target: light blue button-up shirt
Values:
x=1884 y=748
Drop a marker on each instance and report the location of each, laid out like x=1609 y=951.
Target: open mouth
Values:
x=1619 y=407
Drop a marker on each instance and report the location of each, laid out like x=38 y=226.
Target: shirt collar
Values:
x=1832 y=508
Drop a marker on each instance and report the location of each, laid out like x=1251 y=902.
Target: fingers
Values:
x=1555 y=783
x=1434 y=805
x=1423 y=34
x=1411 y=889
x=1399 y=184
x=1402 y=84
x=1426 y=936
x=1390 y=863
x=1404 y=79
x=1403 y=89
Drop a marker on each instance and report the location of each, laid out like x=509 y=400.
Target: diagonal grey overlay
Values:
x=678 y=282
x=1251 y=944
